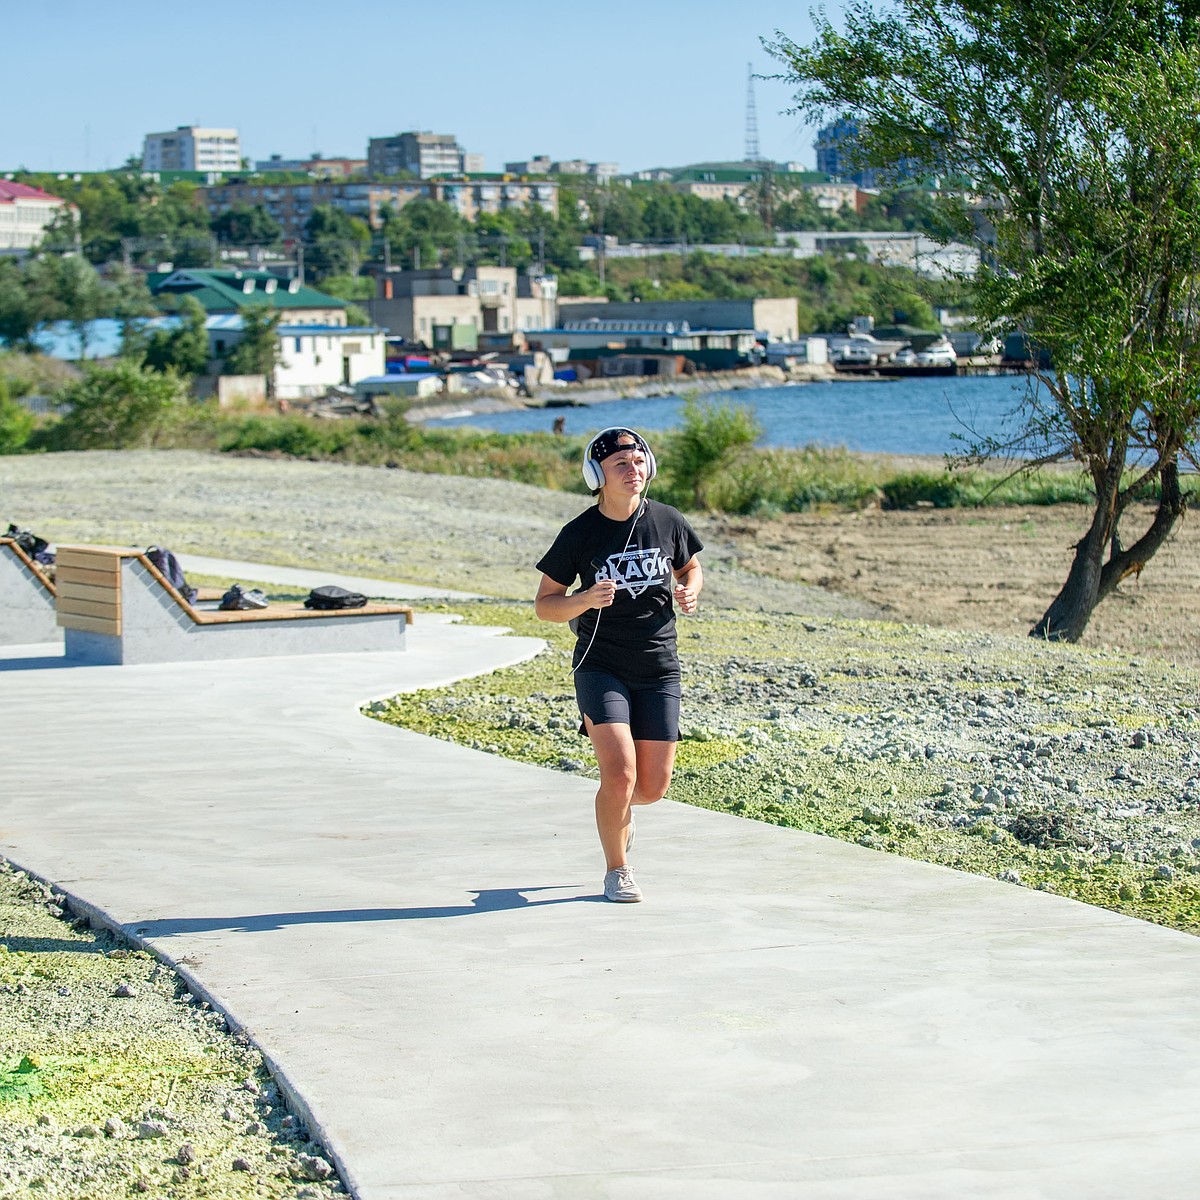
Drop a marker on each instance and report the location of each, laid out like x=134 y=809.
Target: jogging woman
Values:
x=632 y=556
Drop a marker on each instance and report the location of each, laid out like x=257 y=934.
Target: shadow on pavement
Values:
x=488 y=900
x=48 y=663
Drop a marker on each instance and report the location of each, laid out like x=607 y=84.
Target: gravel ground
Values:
x=1069 y=770
x=1055 y=767
x=114 y=1081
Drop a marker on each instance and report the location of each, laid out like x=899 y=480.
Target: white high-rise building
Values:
x=192 y=148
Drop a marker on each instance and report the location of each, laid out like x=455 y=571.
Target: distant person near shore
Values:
x=626 y=552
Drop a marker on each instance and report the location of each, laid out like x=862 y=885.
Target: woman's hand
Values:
x=687 y=598
x=689 y=579
x=602 y=593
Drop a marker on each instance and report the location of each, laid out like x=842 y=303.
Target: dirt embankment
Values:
x=994 y=569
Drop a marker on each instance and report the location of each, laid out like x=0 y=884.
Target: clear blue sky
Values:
x=641 y=84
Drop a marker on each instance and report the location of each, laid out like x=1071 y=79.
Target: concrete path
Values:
x=412 y=933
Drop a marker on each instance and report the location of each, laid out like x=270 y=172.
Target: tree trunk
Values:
x=1171 y=506
x=1068 y=615
x=1091 y=579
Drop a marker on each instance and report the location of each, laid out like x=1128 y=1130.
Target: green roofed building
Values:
x=229 y=291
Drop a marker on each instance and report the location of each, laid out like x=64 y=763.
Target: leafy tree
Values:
x=334 y=241
x=578 y=281
x=114 y=407
x=257 y=352
x=70 y=289
x=18 y=314
x=123 y=215
x=125 y=295
x=1078 y=125
x=423 y=231
x=16 y=422
x=349 y=287
x=182 y=349
x=242 y=225
x=709 y=433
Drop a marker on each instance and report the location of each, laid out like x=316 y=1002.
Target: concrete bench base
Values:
x=141 y=619
x=26 y=599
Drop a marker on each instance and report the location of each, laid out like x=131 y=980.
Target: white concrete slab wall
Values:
x=26 y=607
x=155 y=629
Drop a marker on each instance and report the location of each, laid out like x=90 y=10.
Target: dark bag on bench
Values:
x=171 y=571
x=37 y=548
x=239 y=598
x=332 y=596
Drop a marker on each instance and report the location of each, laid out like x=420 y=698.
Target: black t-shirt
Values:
x=636 y=636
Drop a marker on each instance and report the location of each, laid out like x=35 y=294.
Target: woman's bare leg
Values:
x=655 y=762
x=617 y=759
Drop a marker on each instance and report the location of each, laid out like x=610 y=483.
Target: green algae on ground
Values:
x=109 y=1069
x=1067 y=770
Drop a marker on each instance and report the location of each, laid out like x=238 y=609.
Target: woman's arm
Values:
x=690 y=580
x=553 y=604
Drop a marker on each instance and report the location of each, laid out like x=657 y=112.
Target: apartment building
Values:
x=542 y=164
x=24 y=214
x=330 y=168
x=420 y=305
x=192 y=148
x=422 y=154
x=471 y=197
x=837 y=155
x=777 y=318
x=291 y=204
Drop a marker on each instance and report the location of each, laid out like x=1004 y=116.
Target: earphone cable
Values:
x=599 y=611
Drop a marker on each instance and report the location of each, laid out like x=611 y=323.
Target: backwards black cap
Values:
x=606 y=443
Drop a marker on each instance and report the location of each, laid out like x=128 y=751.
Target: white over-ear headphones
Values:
x=593 y=473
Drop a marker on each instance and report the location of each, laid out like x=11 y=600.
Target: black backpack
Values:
x=332 y=596
x=37 y=548
x=171 y=571
x=238 y=598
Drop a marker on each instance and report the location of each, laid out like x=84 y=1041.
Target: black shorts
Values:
x=650 y=709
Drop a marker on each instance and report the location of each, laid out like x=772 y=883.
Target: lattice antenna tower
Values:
x=752 y=153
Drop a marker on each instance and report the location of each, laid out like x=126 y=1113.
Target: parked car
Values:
x=856 y=352
x=905 y=357
x=938 y=354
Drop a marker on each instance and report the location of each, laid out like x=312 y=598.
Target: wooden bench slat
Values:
x=288 y=612
x=30 y=564
x=89 y=624
x=104 y=577
x=108 y=609
x=89 y=558
x=72 y=589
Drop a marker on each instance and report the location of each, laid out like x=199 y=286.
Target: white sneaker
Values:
x=620 y=886
x=631 y=834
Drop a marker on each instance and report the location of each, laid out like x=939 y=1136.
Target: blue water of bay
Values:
x=903 y=416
